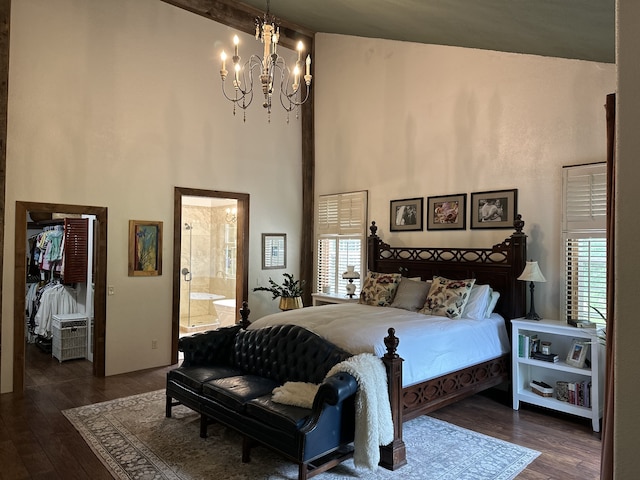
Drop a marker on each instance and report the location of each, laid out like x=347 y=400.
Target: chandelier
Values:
x=271 y=68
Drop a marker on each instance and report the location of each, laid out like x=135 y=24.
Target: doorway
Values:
x=211 y=231
x=99 y=216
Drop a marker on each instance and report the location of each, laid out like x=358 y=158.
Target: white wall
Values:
x=627 y=257
x=406 y=120
x=113 y=104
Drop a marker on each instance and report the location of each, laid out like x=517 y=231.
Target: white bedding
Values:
x=431 y=346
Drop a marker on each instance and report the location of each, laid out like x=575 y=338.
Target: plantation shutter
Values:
x=76 y=247
x=585 y=243
x=585 y=198
x=341 y=227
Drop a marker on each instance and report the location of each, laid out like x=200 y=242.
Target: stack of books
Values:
x=575 y=393
x=528 y=343
x=581 y=324
x=545 y=357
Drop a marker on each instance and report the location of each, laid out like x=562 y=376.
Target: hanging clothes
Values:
x=55 y=298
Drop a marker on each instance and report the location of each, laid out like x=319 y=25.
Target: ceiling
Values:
x=578 y=29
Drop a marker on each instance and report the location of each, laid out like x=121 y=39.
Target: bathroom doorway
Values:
x=210 y=258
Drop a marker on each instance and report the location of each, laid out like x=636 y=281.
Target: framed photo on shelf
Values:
x=494 y=209
x=578 y=353
x=274 y=251
x=447 y=212
x=406 y=215
x=145 y=248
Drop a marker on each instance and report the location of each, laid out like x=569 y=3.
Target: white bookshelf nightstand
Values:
x=561 y=336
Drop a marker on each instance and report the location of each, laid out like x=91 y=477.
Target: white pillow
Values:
x=479 y=298
x=492 y=303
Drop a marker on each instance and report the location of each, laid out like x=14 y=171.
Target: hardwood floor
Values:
x=37 y=442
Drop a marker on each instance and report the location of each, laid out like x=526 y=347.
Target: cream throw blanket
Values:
x=373 y=425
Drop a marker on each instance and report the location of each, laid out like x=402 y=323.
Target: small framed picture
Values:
x=406 y=215
x=274 y=251
x=578 y=353
x=145 y=248
x=447 y=212
x=495 y=209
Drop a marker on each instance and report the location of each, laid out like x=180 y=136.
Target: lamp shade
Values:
x=532 y=273
x=350 y=273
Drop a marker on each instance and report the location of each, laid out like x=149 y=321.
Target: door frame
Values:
x=20 y=282
x=242 y=251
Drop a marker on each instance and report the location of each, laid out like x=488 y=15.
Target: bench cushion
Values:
x=194 y=377
x=282 y=417
x=235 y=392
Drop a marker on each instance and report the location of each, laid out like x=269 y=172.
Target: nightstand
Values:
x=588 y=379
x=327 y=299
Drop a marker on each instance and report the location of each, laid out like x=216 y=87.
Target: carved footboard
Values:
x=415 y=400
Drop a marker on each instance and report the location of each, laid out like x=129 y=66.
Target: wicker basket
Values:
x=69 y=336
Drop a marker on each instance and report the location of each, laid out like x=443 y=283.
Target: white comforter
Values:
x=431 y=346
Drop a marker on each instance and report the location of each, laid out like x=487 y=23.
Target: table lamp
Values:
x=350 y=274
x=532 y=274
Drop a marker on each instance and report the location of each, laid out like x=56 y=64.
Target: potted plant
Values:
x=290 y=292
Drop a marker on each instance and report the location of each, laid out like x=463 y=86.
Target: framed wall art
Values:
x=406 y=215
x=447 y=212
x=145 y=248
x=495 y=209
x=274 y=251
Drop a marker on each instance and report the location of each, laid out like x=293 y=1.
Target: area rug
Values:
x=134 y=440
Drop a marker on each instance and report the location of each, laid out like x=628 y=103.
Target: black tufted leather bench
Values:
x=228 y=375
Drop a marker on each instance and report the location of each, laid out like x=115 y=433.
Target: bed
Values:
x=423 y=379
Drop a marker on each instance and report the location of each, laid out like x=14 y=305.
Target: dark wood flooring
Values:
x=37 y=442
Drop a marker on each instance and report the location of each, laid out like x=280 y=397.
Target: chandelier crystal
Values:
x=272 y=68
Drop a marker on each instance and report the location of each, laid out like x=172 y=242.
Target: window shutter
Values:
x=76 y=244
x=342 y=214
x=585 y=272
x=584 y=201
x=585 y=197
x=341 y=227
x=328 y=214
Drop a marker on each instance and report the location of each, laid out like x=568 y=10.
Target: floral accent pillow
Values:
x=379 y=289
x=447 y=298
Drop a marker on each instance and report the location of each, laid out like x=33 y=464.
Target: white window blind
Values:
x=585 y=197
x=341 y=228
x=585 y=243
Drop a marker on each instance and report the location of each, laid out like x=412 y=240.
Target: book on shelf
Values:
x=575 y=393
x=528 y=343
x=545 y=357
x=581 y=323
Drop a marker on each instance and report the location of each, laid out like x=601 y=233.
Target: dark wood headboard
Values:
x=498 y=266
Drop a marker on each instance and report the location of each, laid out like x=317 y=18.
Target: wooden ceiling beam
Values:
x=242 y=17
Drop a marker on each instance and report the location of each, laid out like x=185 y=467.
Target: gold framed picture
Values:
x=145 y=248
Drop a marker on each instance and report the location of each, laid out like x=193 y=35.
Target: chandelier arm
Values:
x=292 y=102
x=246 y=96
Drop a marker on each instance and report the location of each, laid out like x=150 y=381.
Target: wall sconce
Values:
x=350 y=275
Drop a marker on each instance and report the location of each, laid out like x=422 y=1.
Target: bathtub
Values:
x=226 y=311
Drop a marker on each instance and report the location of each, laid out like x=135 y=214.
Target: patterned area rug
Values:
x=134 y=440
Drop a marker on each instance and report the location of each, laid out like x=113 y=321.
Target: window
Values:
x=585 y=243
x=341 y=233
